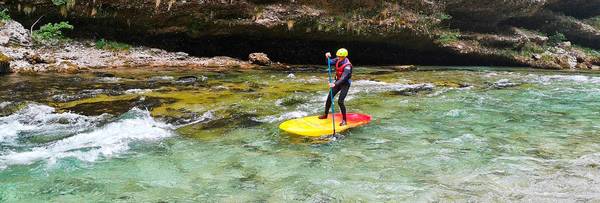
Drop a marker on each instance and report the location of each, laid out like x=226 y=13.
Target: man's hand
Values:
x=328 y=55
x=331 y=85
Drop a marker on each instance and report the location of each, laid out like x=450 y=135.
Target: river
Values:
x=438 y=134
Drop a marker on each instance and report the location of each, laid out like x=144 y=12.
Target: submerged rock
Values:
x=104 y=75
x=84 y=94
x=187 y=80
x=216 y=123
x=190 y=80
x=412 y=89
x=117 y=107
x=504 y=83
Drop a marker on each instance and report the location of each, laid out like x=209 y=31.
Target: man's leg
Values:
x=344 y=91
x=328 y=102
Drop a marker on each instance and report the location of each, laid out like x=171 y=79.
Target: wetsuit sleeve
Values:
x=332 y=61
x=345 y=76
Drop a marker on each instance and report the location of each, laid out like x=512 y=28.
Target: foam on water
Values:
x=546 y=79
x=39 y=119
x=282 y=117
x=369 y=86
x=109 y=140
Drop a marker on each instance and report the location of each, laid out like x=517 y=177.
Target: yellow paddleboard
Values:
x=312 y=126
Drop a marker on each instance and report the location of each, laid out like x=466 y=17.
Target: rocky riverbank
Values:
x=19 y=54
x=426 y=32
x=541 y=34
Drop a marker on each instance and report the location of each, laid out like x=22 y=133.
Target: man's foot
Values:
x=343 y=123
x=323 y=117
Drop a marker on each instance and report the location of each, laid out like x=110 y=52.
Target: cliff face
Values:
x=577 y=8
x=297 y=31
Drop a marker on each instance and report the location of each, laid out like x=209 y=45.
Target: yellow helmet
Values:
x=342 y=52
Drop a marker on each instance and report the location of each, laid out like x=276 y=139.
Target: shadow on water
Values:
x=288 y=138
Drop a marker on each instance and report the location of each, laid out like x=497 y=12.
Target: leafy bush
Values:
x=556 y=38
x=51 y=32
x=531 y=48
x=547 y=58
x=448 y=37
x=444 y=16
x=112 y=45
x=4 y=15
x=588 y=51
x=594 y=22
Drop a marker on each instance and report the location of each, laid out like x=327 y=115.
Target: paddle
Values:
x=331 y=93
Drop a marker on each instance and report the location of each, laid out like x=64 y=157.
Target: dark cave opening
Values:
x=303 y=51
x=290 y=49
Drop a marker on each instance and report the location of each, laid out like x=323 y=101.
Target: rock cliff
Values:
x=436 y=32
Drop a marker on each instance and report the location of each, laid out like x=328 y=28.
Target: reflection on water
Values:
x=462 y=134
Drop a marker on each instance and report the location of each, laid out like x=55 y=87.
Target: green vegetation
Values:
x=594 y=22
x=547 y=58
x=444 y=16
x=51 y=32
x=448 y=37
x=530 y=48
x=556 y=38
x=588 y=51
x=112 y=45
x=4 y=15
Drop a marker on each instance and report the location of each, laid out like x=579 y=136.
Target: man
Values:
x=343 y=70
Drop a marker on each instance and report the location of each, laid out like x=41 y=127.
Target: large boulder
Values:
x=259 y=59
x=14 y=33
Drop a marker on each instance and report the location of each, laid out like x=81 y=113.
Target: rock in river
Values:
x=408 y=90
x=187 y=79
x=259 y=59
x=504 y=83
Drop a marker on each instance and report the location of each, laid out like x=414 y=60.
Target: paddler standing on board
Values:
x=343 y=74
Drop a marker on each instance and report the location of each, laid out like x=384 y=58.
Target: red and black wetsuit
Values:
x=343 y=70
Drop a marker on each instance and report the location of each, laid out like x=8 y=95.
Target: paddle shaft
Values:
x=331 y=94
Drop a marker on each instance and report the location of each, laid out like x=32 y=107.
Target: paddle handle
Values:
x=331 y=94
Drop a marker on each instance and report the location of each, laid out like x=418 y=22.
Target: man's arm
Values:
x=332 y=61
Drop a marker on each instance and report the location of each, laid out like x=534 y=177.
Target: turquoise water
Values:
x=480 y=134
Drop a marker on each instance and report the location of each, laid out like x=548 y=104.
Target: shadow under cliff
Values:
x=280 y=44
